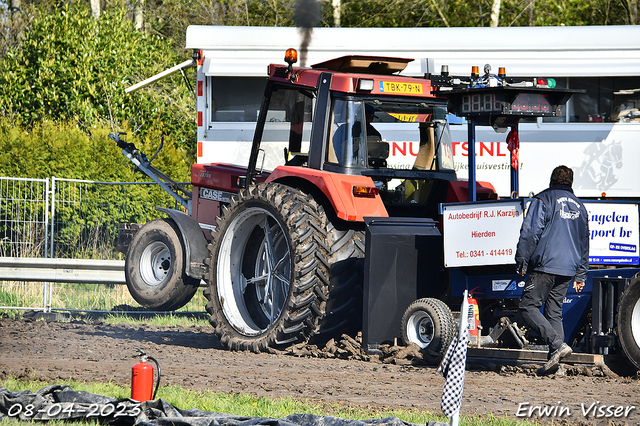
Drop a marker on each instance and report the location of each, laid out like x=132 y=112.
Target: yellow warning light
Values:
x=291 y=56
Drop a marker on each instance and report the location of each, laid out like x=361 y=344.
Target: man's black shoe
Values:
x=554 y=360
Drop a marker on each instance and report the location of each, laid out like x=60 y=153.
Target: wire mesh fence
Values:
x=86 y=215
x=73 y=219
x=23 y=217
x=23 y=295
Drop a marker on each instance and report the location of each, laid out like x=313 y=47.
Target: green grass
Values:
x=104 y=297
x=168 y=319
x=254 y=406
x=79 y=297
x=11 y=313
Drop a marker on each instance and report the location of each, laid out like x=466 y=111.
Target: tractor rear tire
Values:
x=428 y=323
x=628 y=326
x=154 y=268
x=343 y=309
x=268 y=278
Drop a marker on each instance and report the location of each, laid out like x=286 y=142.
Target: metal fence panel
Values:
x=85 y=271
x=86 y=214
x=23 y=295
x=24 y=208
x=74 y=219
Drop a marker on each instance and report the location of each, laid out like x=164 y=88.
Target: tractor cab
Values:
x=355 y=116
x=364 y=132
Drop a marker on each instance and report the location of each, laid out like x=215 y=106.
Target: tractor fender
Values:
x=338 y=188
x=193 y=240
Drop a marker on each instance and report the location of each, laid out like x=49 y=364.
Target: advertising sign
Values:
x=613 y=233
x=598 y=153
x=481 y=233
x=487 y=233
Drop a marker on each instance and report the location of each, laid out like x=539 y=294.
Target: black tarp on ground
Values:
x=62 y=402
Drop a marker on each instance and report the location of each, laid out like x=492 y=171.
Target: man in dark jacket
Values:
x=554 y=249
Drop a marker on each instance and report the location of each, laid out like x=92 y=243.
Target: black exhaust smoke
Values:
x=307 y=14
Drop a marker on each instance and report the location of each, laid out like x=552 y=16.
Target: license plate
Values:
x=405 y=88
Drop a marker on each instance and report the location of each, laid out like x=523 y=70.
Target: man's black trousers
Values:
x=550 y=290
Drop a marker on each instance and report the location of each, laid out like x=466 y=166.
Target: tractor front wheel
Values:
x=154 y=268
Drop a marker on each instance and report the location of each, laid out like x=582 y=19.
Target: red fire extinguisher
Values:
x=142 y=378
x=473 y=317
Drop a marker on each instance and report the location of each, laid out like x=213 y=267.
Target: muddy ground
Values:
x=193 y=358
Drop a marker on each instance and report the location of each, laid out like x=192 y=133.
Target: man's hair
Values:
x=561 y=175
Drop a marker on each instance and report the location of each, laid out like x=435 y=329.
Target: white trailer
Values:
x=594 y=135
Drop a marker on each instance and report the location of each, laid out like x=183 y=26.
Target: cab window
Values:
x=287 y=128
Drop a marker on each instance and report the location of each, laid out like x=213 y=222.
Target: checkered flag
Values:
x=453 y=365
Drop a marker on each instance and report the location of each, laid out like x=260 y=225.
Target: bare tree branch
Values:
x=444 y=19
x=495 y=13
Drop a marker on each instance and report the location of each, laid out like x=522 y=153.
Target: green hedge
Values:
x=70 y=67
x=65 y=151
x=63 y=91
x=87 y=215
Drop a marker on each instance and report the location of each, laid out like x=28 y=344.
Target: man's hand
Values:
x=520 y=269
x=578 y=286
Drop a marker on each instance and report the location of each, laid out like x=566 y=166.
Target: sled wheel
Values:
x=629 y=322
x=154 y=268
x=268 y=271
x=429 y=324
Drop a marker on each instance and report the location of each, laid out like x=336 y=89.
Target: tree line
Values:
x=65 y=63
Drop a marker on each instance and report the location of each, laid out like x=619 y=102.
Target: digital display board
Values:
x=524 y=103
x=486 y=104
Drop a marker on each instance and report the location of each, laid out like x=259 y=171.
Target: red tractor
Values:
x=280 y=243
